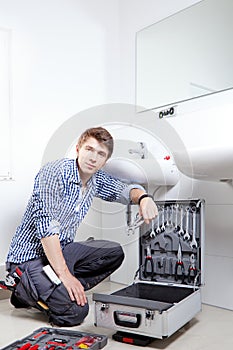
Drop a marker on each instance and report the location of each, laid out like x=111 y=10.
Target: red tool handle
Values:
x=40 y=334
x=88 y=340
x=3 y=286
x=25 y=346
x=18 y=271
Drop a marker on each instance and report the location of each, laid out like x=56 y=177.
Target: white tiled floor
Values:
x=212 y=329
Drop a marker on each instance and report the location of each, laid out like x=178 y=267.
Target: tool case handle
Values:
x=124 y=319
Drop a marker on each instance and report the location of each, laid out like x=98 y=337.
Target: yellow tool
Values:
x=42 y=304
x=83 y=346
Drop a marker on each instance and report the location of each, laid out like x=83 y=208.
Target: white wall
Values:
x=62 y=62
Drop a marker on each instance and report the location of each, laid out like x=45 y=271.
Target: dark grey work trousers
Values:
x=89 y=261
x=92 y=261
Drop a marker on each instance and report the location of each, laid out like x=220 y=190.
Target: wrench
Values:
x=176 y=217
x=171 y=216
x=187 y=235
x=133 y=226
x=152 y=234
x=193 y=243
x=163 y=228
x=167 y=219
x=158 y=230
x=181 y=231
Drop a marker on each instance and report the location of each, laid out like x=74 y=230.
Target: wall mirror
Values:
x=186 y=55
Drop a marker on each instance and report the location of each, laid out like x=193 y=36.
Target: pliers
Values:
x=11 y=280
x=9 y=284
x=192 y=271
x=179 y=265
x=148 y=260
x=5 y=286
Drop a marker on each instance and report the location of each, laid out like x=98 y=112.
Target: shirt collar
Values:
x=76 y=176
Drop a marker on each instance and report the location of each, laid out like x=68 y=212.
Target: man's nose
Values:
x=94 y=156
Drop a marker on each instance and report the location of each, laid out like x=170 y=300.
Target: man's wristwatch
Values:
x=144 y=196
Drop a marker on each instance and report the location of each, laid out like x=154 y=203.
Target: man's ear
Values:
x=77 y=149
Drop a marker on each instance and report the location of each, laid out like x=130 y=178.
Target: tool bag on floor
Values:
x=37 y=290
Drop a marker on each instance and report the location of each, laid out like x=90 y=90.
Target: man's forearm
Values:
x=53 y=252
x=135 y=194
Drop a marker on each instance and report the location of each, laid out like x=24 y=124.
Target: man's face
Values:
x=92 y=156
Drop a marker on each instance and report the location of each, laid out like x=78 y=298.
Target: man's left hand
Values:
x=148 y=209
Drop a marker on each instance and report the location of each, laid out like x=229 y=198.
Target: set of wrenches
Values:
x=179 y=218
x=170 y=248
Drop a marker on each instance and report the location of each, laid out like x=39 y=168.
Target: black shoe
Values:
x=17 y=303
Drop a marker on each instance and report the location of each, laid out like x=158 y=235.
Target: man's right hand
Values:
x=74 y=288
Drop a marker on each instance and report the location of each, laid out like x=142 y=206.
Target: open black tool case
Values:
x=52 y=338
x=166 y=293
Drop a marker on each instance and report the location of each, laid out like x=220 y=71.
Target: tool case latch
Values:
x=149 y=315
x=104 y=307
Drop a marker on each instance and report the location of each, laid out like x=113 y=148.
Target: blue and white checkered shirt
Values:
x=57 y=206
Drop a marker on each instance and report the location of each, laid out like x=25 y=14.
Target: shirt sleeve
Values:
x=46 y=198
x=112 y=189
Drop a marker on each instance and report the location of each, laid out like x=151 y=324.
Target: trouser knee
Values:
x=74 y=316
x=120 y=255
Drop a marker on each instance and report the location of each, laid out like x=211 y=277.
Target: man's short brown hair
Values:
x=101 y=135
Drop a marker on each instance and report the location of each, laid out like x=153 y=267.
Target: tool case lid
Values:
x=171 y=248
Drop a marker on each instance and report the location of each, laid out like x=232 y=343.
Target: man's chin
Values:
x=90 y=171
